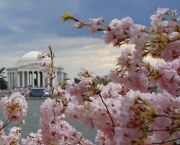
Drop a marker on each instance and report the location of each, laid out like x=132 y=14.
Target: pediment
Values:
x=29 y=66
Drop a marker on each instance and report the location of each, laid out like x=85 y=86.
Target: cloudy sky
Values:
x=33 y=25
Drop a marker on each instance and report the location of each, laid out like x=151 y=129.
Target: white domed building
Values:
x=26 y=72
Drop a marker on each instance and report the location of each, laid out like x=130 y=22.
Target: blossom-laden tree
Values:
x=127 y=110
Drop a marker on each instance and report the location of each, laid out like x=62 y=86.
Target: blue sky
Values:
x=33 y=25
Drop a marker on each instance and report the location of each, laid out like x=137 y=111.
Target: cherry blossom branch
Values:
x=167 y=141
x=52 y=70
x=167 y=116
x=107 y=110
x=5 y=124
x=165 y=129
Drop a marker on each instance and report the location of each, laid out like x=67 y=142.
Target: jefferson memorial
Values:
x=25 y=72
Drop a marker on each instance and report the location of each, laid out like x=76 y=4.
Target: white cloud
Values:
x=95 y=55
x=8 y=59
x=71 y=53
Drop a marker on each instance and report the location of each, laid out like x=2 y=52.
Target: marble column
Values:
x=8 y=79
x=32 y=78
x=27 y=78
x=22 y=78
x=39 y=80
x=12 y=79
x=18 y=79
x=15 y=79
x=43 y=80
x=61 y=76
x=10 y=84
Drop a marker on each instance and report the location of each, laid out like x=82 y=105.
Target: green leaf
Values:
x=66 y=16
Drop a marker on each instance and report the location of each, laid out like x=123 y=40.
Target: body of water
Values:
x=32 y=121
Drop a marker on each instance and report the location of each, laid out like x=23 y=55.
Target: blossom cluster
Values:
x=43 y=66
x=143 y=76
x=33 y=139
x=128 y=116
x=54 y=130
x=12 y=138
x=14 y=109
x=53 y=127
x=140 y=105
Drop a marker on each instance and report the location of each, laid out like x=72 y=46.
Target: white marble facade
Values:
x=26 y=72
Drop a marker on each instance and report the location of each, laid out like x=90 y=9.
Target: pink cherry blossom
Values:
x=40 y=55
x=162 y=10
x=14 y=108
x=77 y=25
x=33 y=139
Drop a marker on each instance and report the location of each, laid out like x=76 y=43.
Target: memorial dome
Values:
x=30 y=57
x=32 y=54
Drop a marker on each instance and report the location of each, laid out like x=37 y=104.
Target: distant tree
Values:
x=76 y=80
x=3 y=82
